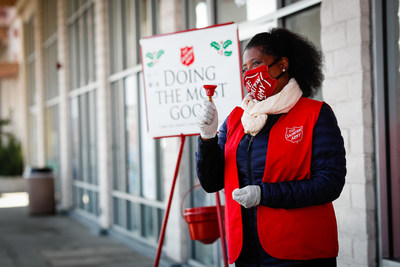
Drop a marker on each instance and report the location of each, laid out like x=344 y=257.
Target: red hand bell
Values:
x=210 y=88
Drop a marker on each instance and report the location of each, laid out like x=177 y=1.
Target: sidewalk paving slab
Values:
x=59 y=241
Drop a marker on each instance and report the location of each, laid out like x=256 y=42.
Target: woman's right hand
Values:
x=207 y=119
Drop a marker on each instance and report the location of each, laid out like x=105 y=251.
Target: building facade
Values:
x=76 y=102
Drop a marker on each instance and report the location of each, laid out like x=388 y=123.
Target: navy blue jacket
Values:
x=328 y=170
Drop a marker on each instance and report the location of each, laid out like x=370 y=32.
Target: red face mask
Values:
x=259 y=83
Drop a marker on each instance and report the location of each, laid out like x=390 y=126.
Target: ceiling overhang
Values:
x=7 y=3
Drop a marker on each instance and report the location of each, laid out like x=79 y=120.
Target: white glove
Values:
x=207 y=119
x=248 y=196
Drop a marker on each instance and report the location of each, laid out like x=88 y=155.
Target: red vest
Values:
x=297 y=234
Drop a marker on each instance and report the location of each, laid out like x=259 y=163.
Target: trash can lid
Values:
x=41 y=170
x=37 y=172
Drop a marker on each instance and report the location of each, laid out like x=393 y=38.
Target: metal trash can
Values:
x=40 y=186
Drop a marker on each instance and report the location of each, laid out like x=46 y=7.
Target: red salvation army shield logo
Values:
x=187 y=55
x=294 y=134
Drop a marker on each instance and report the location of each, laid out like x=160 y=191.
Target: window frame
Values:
x=125 y=203
x=82 y=97
x=383 y=45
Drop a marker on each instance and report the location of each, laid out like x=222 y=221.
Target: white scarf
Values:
x=256 y=112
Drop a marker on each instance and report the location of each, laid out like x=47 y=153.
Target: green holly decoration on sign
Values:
x=154 y=57
x=221 y=47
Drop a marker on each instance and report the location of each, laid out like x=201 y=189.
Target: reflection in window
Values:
x=144 y=29
x=52 y=143
x=32 y=126
x=84 y=148
x=118 y=152
x=197 y=17
x=307 y=23
x=258 y=8
x=81 y=47
x=201 y=15
x=239 y=11
x=390 y=192
x=132 y=132
x=148 y=156
x=289 y=2
x=31 y=90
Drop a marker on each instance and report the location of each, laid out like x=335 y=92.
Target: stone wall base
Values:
x=12 y=184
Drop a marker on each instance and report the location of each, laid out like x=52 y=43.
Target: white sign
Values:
x=175 y=68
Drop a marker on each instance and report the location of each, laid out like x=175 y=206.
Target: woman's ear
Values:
x=284 y=64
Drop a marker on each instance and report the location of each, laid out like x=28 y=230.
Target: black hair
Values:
x=305 y=59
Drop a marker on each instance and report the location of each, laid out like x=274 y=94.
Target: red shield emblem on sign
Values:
x=187 y=55
x=294 y=134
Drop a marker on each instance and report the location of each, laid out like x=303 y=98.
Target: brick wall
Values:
x=346 y=44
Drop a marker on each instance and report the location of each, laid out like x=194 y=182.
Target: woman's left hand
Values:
x=248 y=196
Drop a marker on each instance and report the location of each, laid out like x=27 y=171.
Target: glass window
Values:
x=289 y=2
x=205 y=254
x=143 y=21
x=31 y=80
x=89 y=44
x=120 y=209
x=118 y=136
x=132 y=136
x=52 y=142
x=51 y=75
x=239 y=11
x=124 y=34
x=81 y=47
x=307 y=23
x=170 y=15
x=133 y=222
x=148 y=160
x=198 y=14
x=84 y=150
x=83 y=105
x=32 y=126
x=75 y=139
x=49 y=11
x=88 y=137
x=390 y=183
x=92 y=137
x=31 y=90
x=135 y=155
x=74 y=54
x=72 y=6
x=130 y=34
x=115 y=18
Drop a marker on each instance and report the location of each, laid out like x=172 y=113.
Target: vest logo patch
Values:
x=294 y=134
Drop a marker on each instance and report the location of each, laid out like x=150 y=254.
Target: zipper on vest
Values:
x=249 y=159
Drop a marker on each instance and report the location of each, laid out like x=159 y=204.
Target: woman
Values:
x=280 y=158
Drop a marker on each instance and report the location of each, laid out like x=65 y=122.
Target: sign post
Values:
x=175 y=68
x=165 y=220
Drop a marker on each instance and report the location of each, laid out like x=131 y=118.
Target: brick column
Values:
x=39 y=79
x=103 y=113
x=64 y=114
x=345 y=42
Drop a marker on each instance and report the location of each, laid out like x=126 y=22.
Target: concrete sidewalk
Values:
x=41 y=241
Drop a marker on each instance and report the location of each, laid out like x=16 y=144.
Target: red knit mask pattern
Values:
x=259 y=83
